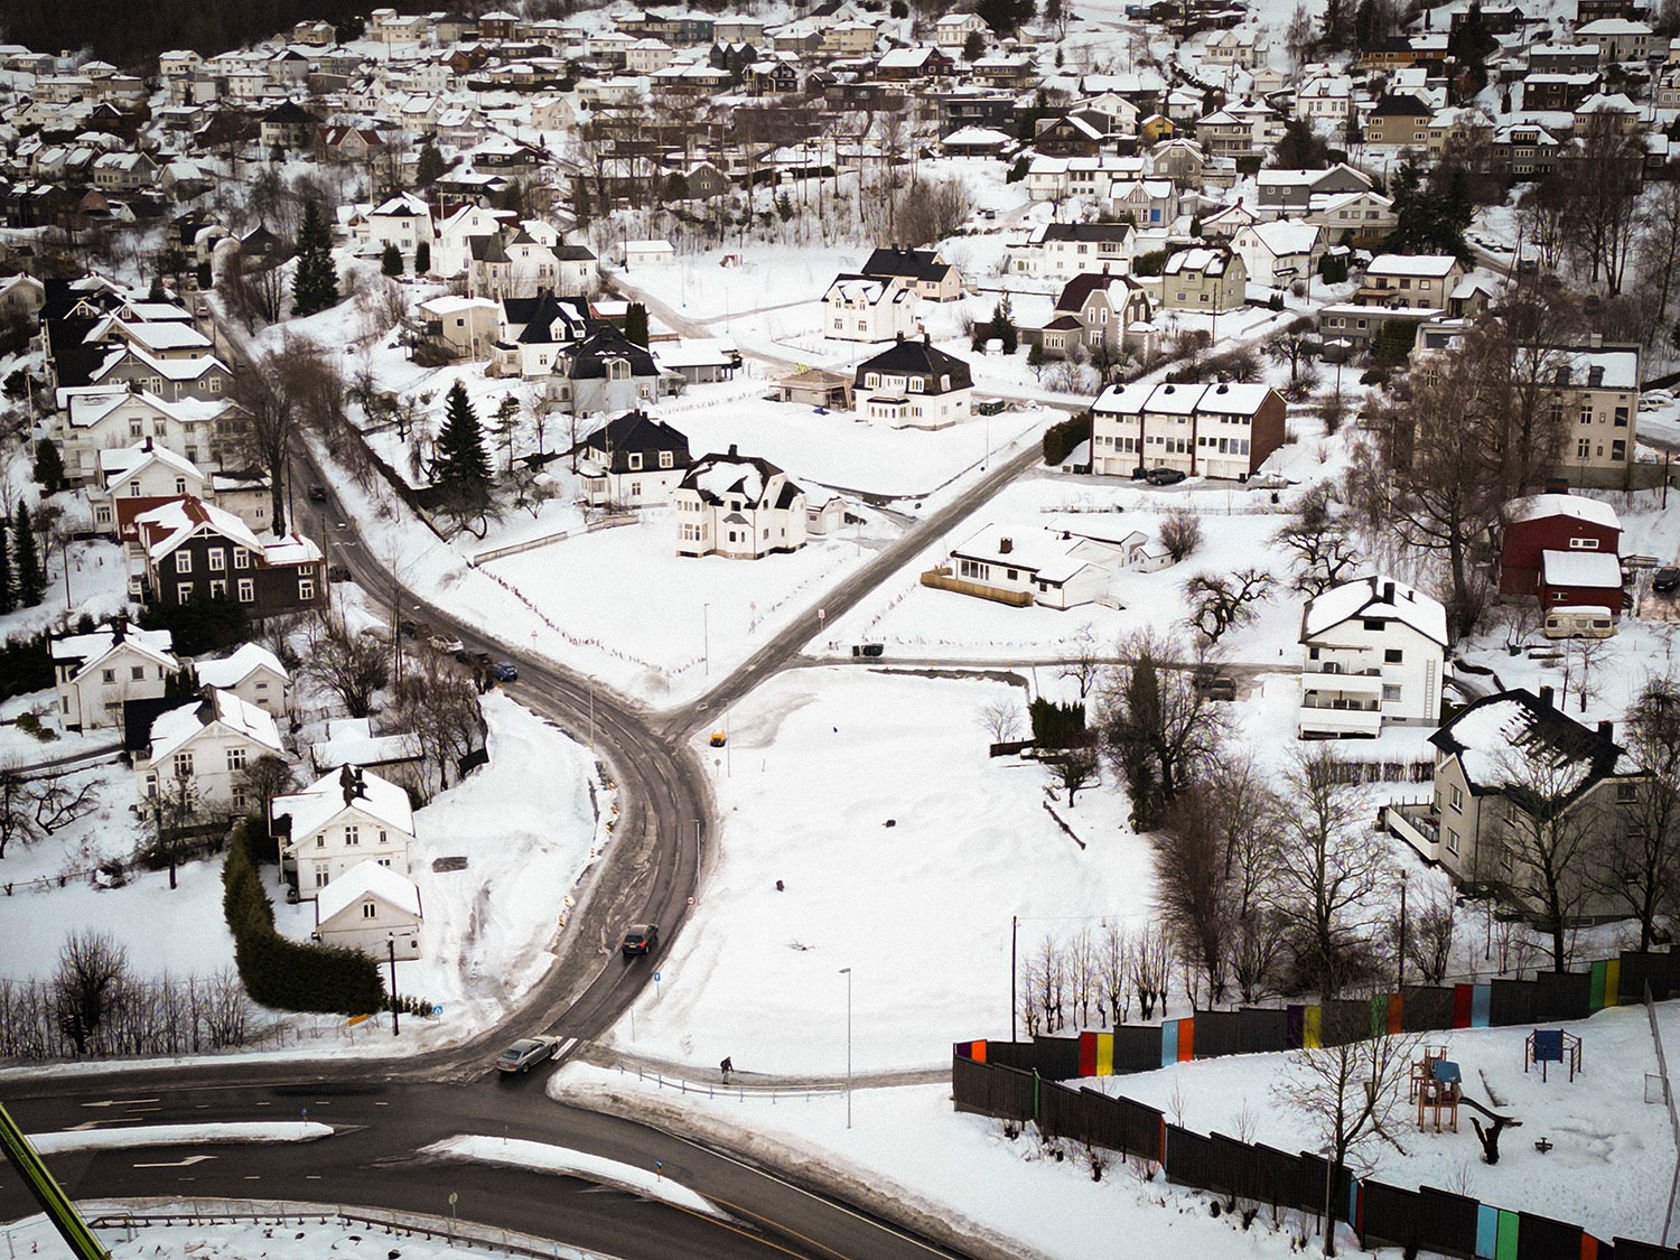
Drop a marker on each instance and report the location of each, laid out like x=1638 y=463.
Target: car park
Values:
x=641 y=940
x=526 y=1053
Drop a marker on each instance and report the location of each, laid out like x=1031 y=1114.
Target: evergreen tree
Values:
x=315 y=287
x=422 y=258
x=506 y=428
x=390 y=261
x=26 y=557
x=8 y=600
x=49 y=468
x=1002 y=327
x=428 y=167
x=974 y=47
x=461 y=469
x=636 y=324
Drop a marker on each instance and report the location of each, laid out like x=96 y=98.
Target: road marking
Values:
x=565 y=1048
x=312 y=1176
x=120 y=1102
x=252 y=1177
x=188 y=1162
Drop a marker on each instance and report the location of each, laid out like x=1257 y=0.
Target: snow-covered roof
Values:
x=1580 y=507
x=1514 y=735
x=232 y=670
x=1598 y=570
x=166 y=527
x=322 y=801
x=1377 y=597
x=117 y=462
x=358 y=747
x=174 y=728
x=1282 y=236
x=91 y=647
x=1411 y=264
x=367 y=879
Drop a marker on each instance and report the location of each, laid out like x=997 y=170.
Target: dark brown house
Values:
x=193 y=550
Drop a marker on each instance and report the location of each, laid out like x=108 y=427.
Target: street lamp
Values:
x=1400 y=979
x=847 y=972
x=391 y=949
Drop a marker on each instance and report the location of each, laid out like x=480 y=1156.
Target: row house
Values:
x=1057 y=178
x=91 y=420
x=96 y=673
x=738 y=506
x=1222 y=430
x=1618 y=39
x=1395 y=51
x=1561 y=58
x=192 y=550
x=194 y=759
x=1372 y=656
x=913 y=385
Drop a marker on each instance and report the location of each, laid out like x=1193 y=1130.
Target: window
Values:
x=241 y=557
x=1583 y=448
x=1618 y=450
x=218 y=588
x=109 y=675
x=1452 y=841
x=1457 y=798
x=1391 y=692
x=183 y=764
x=1372 y=623
x=635 y=458
x=137 y=673
x=306 y=590
x=1626 y=793
x=323 y=873
x=218 y=559
x=183 y=592
x=236 y=759
x=247 y=591
x=352 y=834
x=1393 y=656
x=665 y=459
x=370 y=910
x=183 y=562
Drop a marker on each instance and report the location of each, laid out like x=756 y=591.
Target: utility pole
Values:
x=847 y=972
x=391 y=949
x=1400 y=966
x=1014 y=935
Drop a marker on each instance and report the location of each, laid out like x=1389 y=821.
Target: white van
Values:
x=1579 y=622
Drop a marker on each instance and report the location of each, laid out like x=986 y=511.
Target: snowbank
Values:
x=542 y=1157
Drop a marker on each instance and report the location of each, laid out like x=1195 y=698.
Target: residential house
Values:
x=1047 y=567
x=912 y=385
x=1399 y=119
x=288 y=126
x=203 y=378
x=738 y=506
x=606 y=371
x=195 y=756
x=1239 y=130
x=193 y=550
x=404 y=221
x=532 y=334
x=254 y=674
x=1278 y=253
x=1070 y=249
x=1357 y=218
x=461 y=327
x=1512 y=769
x=633 y=460
x=339 y=821
x=648 y=254
x=1220 y=430
x=1618 y=39
x=397 y=756
x=816 y=387
x=932 y=278
x=865 y=308
x=1204 y=278
x=1285 y=192
x=951 y=32
x=101 y=418
x=1555 y=522
x=95 y=674
x=1373 y=653
x=373 y=909
x=1326 y=98
x=1423 y=281
x=1236 y=47
x=1109 y=315
x=1558 y=91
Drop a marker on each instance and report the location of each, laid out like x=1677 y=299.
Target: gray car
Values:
x=525 y=1054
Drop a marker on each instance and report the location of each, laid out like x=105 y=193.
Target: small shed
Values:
x=816 y=387
x=648 y=254
x=368 y=905
x=1571 y=579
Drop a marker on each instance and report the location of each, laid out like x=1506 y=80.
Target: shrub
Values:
x=1057 y=725
x=1060 y=439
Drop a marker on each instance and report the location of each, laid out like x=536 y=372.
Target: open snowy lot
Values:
x=903 y=851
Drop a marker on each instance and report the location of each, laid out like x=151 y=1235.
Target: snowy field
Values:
x=819 y=763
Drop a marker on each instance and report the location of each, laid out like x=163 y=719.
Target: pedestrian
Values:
x=726 y=1067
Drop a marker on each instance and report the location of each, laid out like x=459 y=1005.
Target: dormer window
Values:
x=635 y=459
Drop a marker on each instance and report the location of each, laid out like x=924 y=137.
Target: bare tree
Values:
x=269 y=427
x=1327 y=874
x=1081 y=957
x=1190 y=886
x=927 y=210
x=441 y=708
x=1156 y=727
x=1549 y=837
x=17 y=807
x=1220 y=602
x=1001 y=719
x=1084 y=662
x=1074 y=769
x=1151 y=967
x=265 y=778
x=1324 y=553
x=351 y=666
x=92 y=981
x=1355 y=1094
x=1114 y=952
x=1641 y=867
x=1181 y=533
x=1429 y=936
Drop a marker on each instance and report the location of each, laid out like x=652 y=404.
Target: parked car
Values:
x=641 y=940
x=1164 y=476
x=1666 y=580
x=317 y=494
x=409 y=628
x=337 y=573
x=1216 y=686
x=526 y=1053
x=504 y=671
x=446 y=643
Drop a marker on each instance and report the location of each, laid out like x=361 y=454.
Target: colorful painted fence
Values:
x=1021 y=1081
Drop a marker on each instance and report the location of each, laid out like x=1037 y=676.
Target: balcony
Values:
x=1337 y=719
x=1417 y=825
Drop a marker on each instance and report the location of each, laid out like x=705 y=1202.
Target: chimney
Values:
x=734 y=451
x=900 y=337
x=1607 y=730
x=1005 y=546
x=361 y=784
x=119 y=629
x=927 y=338
x=1545 y=697
x=148 y=446
x=1388 y=592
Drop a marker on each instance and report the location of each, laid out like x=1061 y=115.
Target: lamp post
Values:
x=847 y=972
x=706 y=636
x=1400 y=965
x=391 y=950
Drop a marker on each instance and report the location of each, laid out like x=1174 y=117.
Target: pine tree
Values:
x=460 y=468
x=26 y=557
x=49 y=467
x=390 y=261
x=506 y=428
x=8 y=600
x=636 y=324
x=428 y=167
x=315 y=287
x=422 y=258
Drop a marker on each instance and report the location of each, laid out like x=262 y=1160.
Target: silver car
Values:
x=525 y=1054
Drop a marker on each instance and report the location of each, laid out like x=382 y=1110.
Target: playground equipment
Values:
x=1552 y=1045
x=1439 y=1093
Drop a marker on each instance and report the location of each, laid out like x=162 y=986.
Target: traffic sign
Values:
x=656 y=977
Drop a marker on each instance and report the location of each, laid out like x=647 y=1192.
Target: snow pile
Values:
x=221 y=1134
x=542 y=1157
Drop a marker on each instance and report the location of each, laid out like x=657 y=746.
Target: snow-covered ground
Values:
x=902 y=850
x=179 y=1135
x=562 y=1161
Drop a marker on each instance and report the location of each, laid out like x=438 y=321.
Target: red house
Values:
x=1565 y=523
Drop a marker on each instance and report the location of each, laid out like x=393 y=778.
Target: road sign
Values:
x=437 y=1008
x=357 y=1019
x=656 y=977
x=691 y=901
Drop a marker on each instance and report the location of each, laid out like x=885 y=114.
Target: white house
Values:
x=252 y=673
x=203 y=749
x=738 y=506
x=338 y=822
x=404 y=221
x=1052 y=568
x=648 y=254
x=1278 y=252
x=1371 y=656
x=95 y=673
x=868 y=308
x=1219 y=430
x=92 y=419
x=951 y=32
x=912 y=385
x=369 y=908
x=1073 y=249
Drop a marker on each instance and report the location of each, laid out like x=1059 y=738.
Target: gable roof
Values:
x=714 y=476
x=636 y=431
x=87 y=650
x=911 y=357
x=1539 y=506
x=1489 y=733
x=325 y=799
x=1378 y=597
x=176 y=727
x=367 y=879
x=912 y=264
x=234 y=669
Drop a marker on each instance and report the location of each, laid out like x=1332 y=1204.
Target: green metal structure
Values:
x=48 y=1193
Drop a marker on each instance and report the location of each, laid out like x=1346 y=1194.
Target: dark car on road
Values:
x=1666 y=581
x=1164 y=476
x=642 y=939
x=504 y=671
x=317 y=494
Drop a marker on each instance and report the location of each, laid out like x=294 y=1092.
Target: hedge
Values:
x=1061 y=438
x=283 y=974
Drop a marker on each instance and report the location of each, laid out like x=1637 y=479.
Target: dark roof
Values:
x=748 y=465
x=488 y=248
x=138 y=716
x=1576 y=757
x=536 y=317
x=288 y=112
x=1098 y=232
x=913 y=264
x=1400 y=104
x=917 y=358
x=573 y=253
x=1081 y=287
x=589 y=356
x=636 y=431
